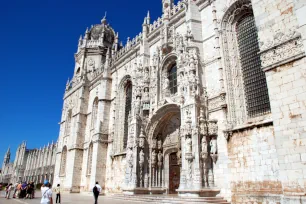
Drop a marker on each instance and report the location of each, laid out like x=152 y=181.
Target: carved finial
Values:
x=103 y=21
x=87 y=30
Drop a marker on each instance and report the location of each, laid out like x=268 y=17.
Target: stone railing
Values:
x=129 y=45
x=176 y=9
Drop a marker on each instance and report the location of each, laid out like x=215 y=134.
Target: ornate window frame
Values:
x=237 y=104
x=121 y=126
x=168 y=62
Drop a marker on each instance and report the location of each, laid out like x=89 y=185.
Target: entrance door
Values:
x=174 y=173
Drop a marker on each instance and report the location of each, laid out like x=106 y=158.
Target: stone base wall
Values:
x=253 y=164
x=115 y=173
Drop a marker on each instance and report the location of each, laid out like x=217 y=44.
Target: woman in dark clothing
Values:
x=23 y=190
x=29 y=191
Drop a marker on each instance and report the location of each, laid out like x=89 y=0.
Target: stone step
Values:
x=169 y=199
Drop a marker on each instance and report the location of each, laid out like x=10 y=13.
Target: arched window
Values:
x=247 y=92
x=123 y=109
x=173 y=79
x=89 y=161
x=128 y=107
x=94 y=113
x=68 y=123
x=63 y=161
x=255 y=85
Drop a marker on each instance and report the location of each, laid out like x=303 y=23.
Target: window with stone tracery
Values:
x=128 y=108
x=68 y=123
x=89 y=162
x=123 y=110
x=63 y=161
x=246 y=83
x=255 y=85
x=173 y=79
x=94 y=113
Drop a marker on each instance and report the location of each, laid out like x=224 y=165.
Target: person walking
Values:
x=46 y=193
x=8 y=190
x=15 y=189
x=57 y=191
x=96 y=191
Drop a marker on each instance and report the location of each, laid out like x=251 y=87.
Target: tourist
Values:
x=33 y=189
x=96 y=191
x=8 y=190
x=46 y=193
x=57 y=190
x=23 y=192
x=29 y=191
x=19 y=186
x=15 y=189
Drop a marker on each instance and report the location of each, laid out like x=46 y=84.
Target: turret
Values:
x=7 y=156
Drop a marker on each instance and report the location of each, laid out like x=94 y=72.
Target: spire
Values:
x=148 y=18
x=86 y=34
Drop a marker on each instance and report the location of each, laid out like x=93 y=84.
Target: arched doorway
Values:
x=165 y=145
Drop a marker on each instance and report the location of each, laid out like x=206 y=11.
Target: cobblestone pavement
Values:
x=66 y=199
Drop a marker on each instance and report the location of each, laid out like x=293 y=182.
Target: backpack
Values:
x=95 y=190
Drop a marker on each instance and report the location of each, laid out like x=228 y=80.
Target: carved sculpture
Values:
x=160 y=158
x=188 y=145
x=141 y=157
x=204 y=145
x=153 y=157
x=213 y=146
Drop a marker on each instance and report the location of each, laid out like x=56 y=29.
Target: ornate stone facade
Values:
x=29 y=165
x=192 y=105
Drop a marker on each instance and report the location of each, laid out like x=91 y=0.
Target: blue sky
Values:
x=38 y=42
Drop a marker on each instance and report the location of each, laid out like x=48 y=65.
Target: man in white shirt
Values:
x=96 y=191
x=46 y=193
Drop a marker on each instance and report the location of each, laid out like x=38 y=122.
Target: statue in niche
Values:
x=154 y=143
x=204 y=145
x=153 y=157
x=188 y=145
x=141 y=142
x=213 y=146
x=141 y=157
x=160 y=158
x=159 y=144
x=146 y=96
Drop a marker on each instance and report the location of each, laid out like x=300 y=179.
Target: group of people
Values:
x=27 y=190
x=20 y=190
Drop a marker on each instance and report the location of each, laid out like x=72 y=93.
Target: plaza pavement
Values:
x=66 y=199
